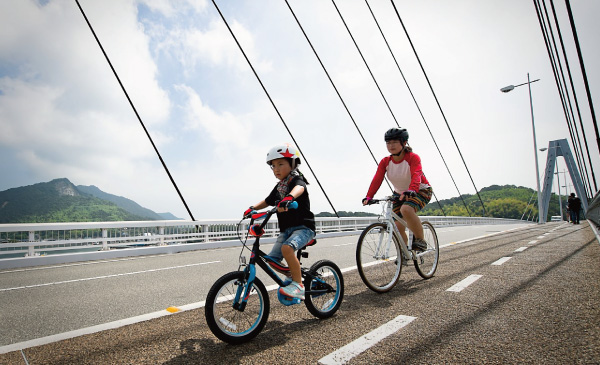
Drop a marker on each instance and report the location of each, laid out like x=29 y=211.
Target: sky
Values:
x=64 y=115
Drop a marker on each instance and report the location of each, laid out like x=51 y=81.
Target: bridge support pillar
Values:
x=557 y=148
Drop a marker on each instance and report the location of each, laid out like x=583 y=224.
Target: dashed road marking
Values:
x=520 y=249
x=532 y=242
x=106 y=276
x=464 y=283
x=356 y=347
x=501 y=261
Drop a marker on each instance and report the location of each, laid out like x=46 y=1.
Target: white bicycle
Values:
x=381 y=251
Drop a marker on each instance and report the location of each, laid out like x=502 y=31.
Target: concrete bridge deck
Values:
x=536 y=300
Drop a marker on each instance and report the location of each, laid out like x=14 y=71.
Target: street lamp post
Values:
x=537 y=170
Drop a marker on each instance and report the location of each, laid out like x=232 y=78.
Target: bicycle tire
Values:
x=324 y=274
x=229 y=324
x=379 y=271
x=426 y=262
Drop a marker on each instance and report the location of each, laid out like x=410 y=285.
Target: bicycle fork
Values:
x=382 y=252
x=243 y=291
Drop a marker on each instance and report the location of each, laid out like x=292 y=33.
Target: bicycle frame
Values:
x=390 y=217
x=257 y=258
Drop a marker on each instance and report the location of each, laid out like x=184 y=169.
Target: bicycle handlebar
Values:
x=254 y=215
x=385 y=199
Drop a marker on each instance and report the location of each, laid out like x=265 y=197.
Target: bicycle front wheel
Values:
x=426 y=262
x=378 y=258
x=326 y=286
x=228 y=317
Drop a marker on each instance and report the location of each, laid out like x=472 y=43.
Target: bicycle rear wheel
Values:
x=326 y=280
x=223 y=314
x=426 y=262
x=378 y=258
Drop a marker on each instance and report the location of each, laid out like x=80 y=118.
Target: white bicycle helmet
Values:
x=284 y=151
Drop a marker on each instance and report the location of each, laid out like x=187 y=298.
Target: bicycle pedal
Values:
x=287 y=301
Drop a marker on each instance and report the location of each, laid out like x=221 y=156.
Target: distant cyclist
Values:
x=403 y=170
x=297 y=226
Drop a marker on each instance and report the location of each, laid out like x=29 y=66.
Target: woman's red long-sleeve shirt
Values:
x=404 y=175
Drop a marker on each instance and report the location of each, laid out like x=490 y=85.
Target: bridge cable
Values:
x=331 y=81
x=529 y=202
x=579 y=151
x=135 y=111
x=419 y=109
x=585 y=80
x=334 y=87
x=574 y=93
x=273 y=104
x=542 y=23
x=366 y=64
x=566 y=100
x=375 y=81
x=549 y=50
x=439 y=106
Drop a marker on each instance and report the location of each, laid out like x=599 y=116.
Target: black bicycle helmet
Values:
x=400 y=134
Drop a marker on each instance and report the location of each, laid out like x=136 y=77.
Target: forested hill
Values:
x=507 y=201
x=61 y=201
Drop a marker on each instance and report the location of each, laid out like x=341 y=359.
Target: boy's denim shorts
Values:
x=295 y=237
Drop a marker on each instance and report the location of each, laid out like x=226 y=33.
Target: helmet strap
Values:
x=402 y=150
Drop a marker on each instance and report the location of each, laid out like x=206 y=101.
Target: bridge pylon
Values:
x=557 y=148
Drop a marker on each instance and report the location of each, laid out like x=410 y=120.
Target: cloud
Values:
x=192 y=46
x=171 y=8
x=225 y=129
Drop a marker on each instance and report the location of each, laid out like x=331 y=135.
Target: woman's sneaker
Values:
x=293 y=290
x=419 y=244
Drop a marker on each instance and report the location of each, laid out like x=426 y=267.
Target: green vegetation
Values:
x=346 y=214
x=507 y=201
x=61 y=201
x=57 y=201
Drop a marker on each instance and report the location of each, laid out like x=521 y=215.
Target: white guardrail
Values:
x=131 y=238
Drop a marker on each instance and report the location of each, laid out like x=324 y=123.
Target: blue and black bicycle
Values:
x=237 y=305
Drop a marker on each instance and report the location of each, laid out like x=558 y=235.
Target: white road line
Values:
x=356 y=347
x=540 y=237
x=487 y=235
x=144 y=317
x=80 y=332
x=501 y=261
x=464 y=283
x=520 y=249
x=531 y=242
x=80 y=264
x=107 y=276
x=345 y=244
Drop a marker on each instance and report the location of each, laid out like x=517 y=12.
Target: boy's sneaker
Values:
x=293 y=290
x=419 y=244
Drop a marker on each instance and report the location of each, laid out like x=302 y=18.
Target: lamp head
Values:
x=507 y=88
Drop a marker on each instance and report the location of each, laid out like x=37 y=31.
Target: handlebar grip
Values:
x=293 y=205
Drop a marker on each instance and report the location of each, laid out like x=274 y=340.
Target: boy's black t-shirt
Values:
x=294 y=217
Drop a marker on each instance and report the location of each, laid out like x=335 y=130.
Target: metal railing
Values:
x=40 y=239
x=593 y=211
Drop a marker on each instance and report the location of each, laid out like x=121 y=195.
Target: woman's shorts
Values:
x=417 y=202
